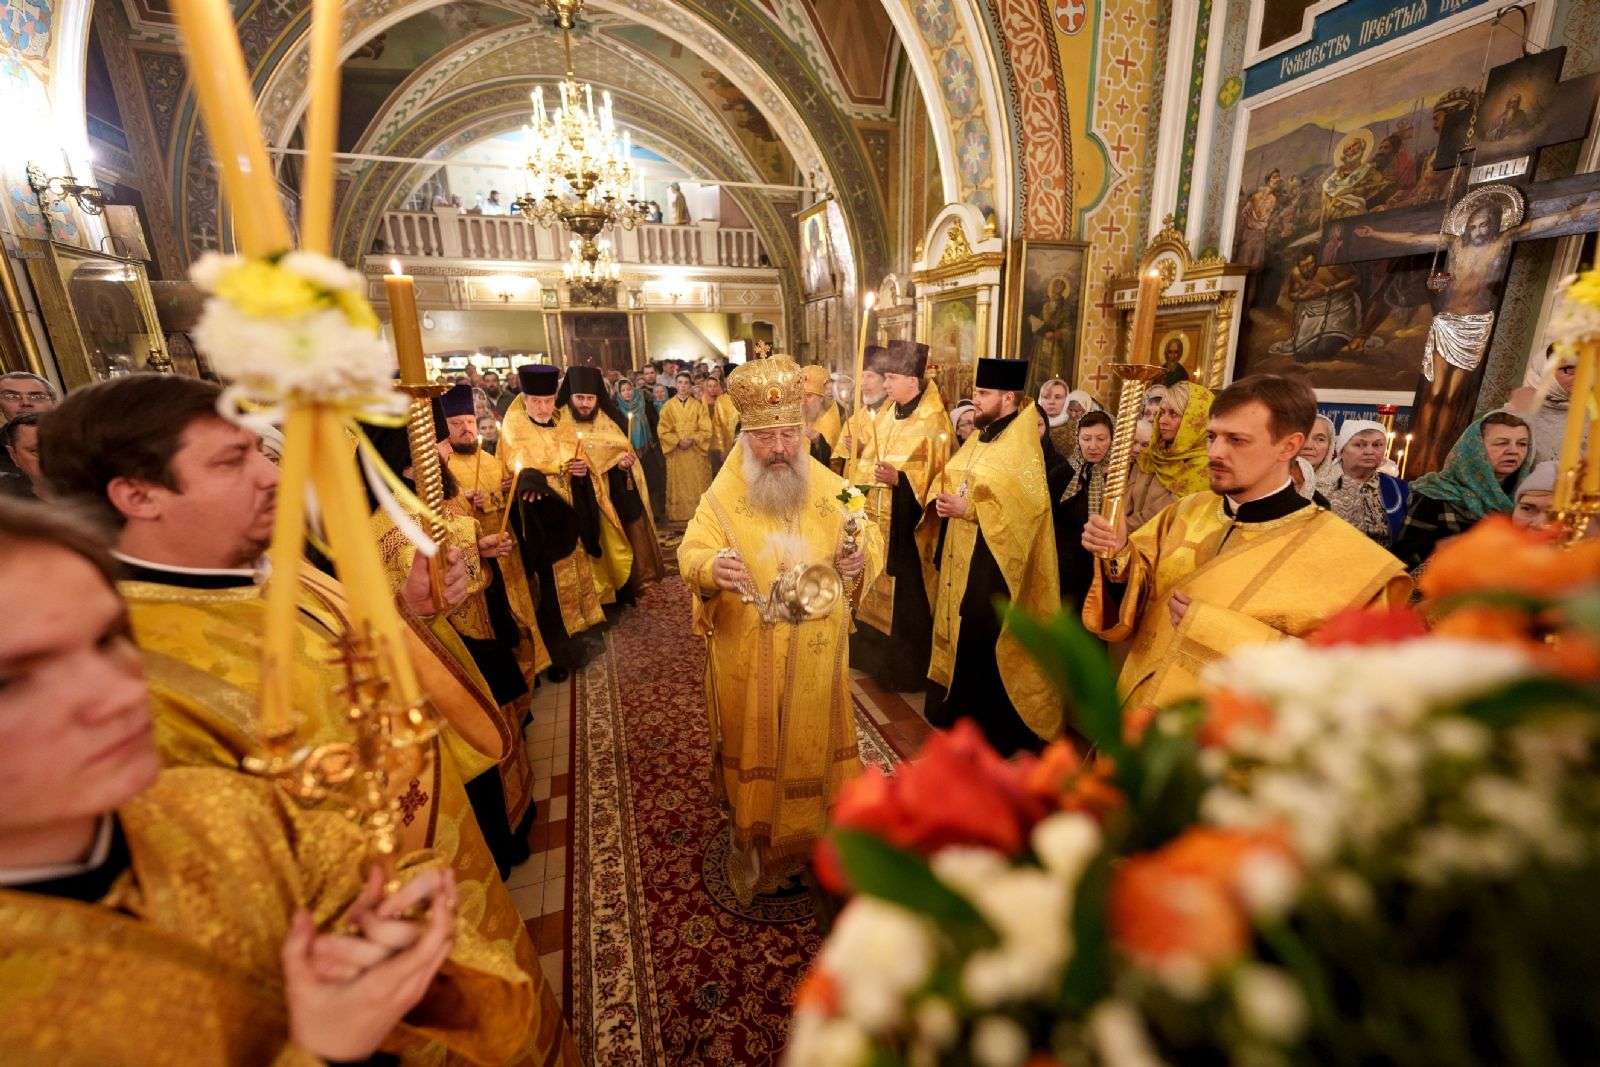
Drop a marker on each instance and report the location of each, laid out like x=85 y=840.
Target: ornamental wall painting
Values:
x=1362 y=141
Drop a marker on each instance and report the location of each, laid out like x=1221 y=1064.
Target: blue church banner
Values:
x=1349 y=30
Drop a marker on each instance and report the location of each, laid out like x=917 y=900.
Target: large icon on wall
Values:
x=1363 y=141
x=817 y=275
x=1044 y=305
x=953 y=335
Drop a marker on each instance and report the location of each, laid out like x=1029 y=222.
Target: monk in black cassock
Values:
x=557 y=536
x=914 y=436
x=630 y=556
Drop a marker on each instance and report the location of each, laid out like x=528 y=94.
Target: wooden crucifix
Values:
x=1477 y=234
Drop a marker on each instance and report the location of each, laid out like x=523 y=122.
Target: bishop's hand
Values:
x=730 y=573
x=849 y=567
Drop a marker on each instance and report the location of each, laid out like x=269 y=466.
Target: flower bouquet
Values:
x=1377 y=846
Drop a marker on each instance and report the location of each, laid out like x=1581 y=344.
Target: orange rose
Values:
x=1135 y=721
x=1487 y=622
x=818 y=992
x=1369 y=626
x=1498 y=554
x=1227 y=712
x=1160 y=913
x=1573 y=656
x=1061 y=778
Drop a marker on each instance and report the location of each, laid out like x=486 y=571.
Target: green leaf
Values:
x=879 y=869
x=1077 y=665
x=1494 y=598
x=1530 y=696
x=1088 y=977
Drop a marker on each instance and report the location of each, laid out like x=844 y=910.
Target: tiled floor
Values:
x=539 y=886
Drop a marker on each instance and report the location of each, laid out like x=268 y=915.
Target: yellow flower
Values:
x=1585 y=289
x=356 y=309
x=263 y=290
x=856 y=504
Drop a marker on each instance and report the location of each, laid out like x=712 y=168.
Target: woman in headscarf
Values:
x=1314 y=465
x=962 y=415
x=1535 y=495
x=1548 y=419
x=1356 y=488
x=1477 y=479
x=641 y=415
x=1060 y=426
x=1175 y=463
x=1153 y=396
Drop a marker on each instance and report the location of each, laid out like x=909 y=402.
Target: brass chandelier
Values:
x=580 y=173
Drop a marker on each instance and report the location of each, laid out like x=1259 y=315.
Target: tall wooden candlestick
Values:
x=427 y=472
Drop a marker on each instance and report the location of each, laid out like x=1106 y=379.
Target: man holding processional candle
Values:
x=1249 y=561
x=549 y=529
x=911 y=440
x=592 y=427
x=775 y=554
x=991 y=522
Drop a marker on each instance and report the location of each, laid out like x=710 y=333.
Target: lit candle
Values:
x=511 y=498
x=1405 y=456
x=867 y=300
x=1573 y=432
x=1141 y=339
x=588 y=99
x=222 y=88
x=322 y=126
x=403 y=324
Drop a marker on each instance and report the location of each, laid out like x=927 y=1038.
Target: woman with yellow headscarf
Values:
x=1175 y=463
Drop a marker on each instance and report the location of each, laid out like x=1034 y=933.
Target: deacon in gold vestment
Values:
x=724 y=421
x=912 y=439
x=1251 y=561
x=199 y=617
x=783 y=730
x=546 y=522
x=857 y=440
x=588 y=420
x=824 y=418
x=685 y=432
x=998 y=540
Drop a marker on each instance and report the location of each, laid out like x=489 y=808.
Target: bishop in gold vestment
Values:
x=1267 y=570
x=178 y=961
x=911 y=438
x=547 y=526
x=778 y=690
x=200 y=639
x=1003 y=545
x=685 y=432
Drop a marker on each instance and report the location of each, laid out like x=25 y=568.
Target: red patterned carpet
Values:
x=665 y=969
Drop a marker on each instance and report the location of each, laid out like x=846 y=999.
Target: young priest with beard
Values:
x=912 y=440
x=992 y=516
x=557 y=529
x=779 y=692
x=197 y=913
x=592 y=429
x=1249 y=561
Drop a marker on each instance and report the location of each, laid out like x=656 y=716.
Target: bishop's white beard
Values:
x=778 y=491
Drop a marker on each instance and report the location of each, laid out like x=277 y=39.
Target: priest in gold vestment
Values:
x=555 y=551
x=149 y=919
x=685 y=432
x=857 y=440
x=1247 y=562
x=991 y=515
x=824 y=420
x=724 y=421
x=912 y=440
x=630 y=553
x=193 y=498
x=783 y=729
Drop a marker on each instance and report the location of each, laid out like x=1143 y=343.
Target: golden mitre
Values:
x=767 y=393
x=815 y=379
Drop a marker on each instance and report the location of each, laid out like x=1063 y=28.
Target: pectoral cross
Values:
x=1477 y=234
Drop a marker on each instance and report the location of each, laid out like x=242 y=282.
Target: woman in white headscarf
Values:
x=1357 y=489
x=1060 y=425
x=1316 y=459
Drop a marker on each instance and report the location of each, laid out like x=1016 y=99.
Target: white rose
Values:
x=1269 y=1002
x=966 y=868
x=1119 y=1036
x=999 y=1042
x=1066 y=842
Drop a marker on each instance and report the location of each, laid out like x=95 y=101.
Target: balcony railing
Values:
x=448 y=233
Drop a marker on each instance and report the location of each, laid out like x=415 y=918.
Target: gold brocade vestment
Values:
x=857 y=441
x=442 y=635
x=685 y=419
x=919 y=447
x=1010 y=504
x=1248 y=582
x=783 y=730
x=180 y=961
x=724 y=425
x=528 y=446
x=483 y=472
x=829 y=426
x=627 y=549
x=202 y=655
